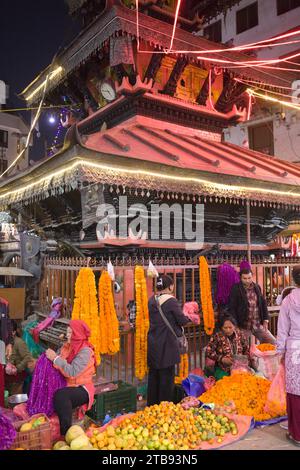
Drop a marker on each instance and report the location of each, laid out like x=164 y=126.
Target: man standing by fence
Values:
x=248 y=306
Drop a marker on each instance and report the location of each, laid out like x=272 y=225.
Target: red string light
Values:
x=175 y=24
x=259 y=84
x=249 y=106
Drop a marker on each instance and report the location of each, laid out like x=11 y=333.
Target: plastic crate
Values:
x=39 y=438
x=117 y=401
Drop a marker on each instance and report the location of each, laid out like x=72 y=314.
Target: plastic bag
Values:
x=35 y=349
x=191 y=311
x=193 y=386
x=240 y=364
x=276 y=399
x=268 y=362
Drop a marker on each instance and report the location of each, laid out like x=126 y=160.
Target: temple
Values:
x=147 y=123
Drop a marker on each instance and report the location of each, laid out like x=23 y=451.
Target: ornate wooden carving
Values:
x=121 y=72
x=232 y=90
x=154 y=66
x=204 y=92
x=177 y=71
x=80 y=85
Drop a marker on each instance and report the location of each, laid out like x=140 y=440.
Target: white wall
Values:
x=286 y=135
x=17 y=132
x=269 y=25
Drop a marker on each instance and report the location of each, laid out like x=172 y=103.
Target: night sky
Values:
x=31 y=32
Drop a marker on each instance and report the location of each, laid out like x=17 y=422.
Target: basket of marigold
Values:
x=268 y=359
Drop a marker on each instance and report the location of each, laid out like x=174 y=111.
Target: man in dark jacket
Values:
x=248 y=306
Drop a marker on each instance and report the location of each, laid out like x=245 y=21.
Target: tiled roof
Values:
x=160 y=142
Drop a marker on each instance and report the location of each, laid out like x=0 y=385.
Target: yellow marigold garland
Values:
x=109 y=325
x=206 y=297
x=86 y=306
x=141 y=323
x=183 y=369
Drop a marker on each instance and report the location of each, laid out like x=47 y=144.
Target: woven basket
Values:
x=35 y=439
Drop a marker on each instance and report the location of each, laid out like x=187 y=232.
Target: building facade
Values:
x=272 y=129
x=13 y=134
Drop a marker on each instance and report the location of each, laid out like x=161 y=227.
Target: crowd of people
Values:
x=244 y=318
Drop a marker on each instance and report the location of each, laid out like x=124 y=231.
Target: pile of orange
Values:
x=247 y=392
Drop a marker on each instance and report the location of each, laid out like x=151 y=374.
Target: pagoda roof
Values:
x=145 y=153
x=154 y=31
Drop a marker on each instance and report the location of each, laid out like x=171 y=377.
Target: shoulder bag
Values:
x=181 y=340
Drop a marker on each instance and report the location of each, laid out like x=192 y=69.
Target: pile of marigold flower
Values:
x=248 y=393
x=263 y=347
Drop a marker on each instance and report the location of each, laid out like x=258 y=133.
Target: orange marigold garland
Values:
x=109 y=325
x=141 y=323
x=183 y=369
x=206 y=297
x=86 y=306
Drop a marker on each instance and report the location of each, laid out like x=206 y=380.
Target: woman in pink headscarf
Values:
x=76 y=362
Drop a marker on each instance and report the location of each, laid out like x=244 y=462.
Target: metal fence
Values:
x=60 y=277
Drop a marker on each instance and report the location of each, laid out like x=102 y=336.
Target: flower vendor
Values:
x=223 y=346
x=288 y=341
x=163 y=347
x=20 y=363
x=76 y=362
x=249 y=307
x=56 y=307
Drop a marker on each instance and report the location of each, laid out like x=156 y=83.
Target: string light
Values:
x=260 y=84
x=153 y=174
x=249 y=106
x=34 y=122
x=233 y=49
x=50 y=76
x=274 y=100
x=175 y=24
x=13 y=110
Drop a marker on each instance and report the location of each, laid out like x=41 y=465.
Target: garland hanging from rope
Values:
x=109 y=324
x=206 y=297
x=142 y=323
x=86 y=306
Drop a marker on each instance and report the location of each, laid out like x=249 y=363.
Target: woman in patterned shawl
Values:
x=223 y=346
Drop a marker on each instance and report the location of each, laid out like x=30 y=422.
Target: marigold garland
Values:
x=86 y=306
x=247 y=392
x=206 y=297
x=109 y=325
x=183 y=369
x=141 y=323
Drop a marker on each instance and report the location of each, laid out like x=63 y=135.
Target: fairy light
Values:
x=137 y=25
x=260 y=84
x=210 y=90
x=34 y=122
x=175 y=24
x=249 y=106
x=261 y=44
x=50 y=77
x=274 y=100
x=234 y=49
x=157 y=175
x=13 y=110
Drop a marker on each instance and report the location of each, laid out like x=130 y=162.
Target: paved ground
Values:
x=266 y=438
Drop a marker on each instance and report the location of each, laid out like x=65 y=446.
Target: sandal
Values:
x=291 y=439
